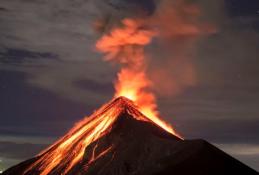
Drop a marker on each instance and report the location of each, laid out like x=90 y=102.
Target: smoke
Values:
x=171 y=58
x=157 y=49
x=174 y=27
x=125 y=46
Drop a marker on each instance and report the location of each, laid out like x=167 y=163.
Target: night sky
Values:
x=51 y=76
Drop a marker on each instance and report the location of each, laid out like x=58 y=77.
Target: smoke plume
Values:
x=141 y=45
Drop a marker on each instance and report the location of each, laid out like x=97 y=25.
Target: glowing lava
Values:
x=63 y=155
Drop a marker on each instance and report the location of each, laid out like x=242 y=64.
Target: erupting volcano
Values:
x=126 y=136
x=66 y=153
x=119 y=140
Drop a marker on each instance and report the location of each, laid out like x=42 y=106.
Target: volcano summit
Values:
x=119 y=140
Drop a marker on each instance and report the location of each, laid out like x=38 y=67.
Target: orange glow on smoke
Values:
x=125 y=45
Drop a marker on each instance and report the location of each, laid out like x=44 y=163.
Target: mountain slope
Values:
x=132 y=144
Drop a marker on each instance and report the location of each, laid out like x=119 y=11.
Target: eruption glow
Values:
x=125 y=45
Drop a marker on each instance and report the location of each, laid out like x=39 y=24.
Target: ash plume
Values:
x=174 y=26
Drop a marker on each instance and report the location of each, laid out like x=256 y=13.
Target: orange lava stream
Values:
x=94 y=158
x=69 y=150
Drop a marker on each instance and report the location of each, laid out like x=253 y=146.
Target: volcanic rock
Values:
x=136 y=147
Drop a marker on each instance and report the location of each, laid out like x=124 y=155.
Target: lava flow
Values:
x=69 y=150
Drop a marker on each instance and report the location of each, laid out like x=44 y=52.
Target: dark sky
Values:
x=51 y=76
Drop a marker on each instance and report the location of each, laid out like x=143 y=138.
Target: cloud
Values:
x=221 y=130
x=248 y=153
x=35 y=32
x=240 y=149
x=13 y=153
x=19 y=151
x=16 y=56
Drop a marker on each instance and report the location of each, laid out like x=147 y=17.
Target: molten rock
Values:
x=119 y=140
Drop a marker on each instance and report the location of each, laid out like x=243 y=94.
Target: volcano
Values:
x=119 y=140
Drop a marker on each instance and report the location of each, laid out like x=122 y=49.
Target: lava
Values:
x=119 y=139
x=69 y=150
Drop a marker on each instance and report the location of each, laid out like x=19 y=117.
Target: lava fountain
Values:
x=125 y=45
